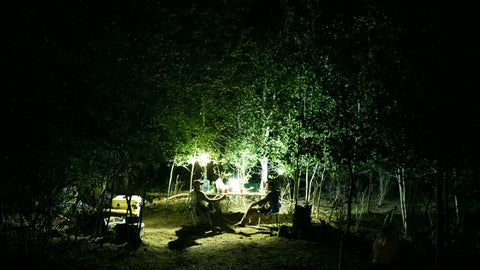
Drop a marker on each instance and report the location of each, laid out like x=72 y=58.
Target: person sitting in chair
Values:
x=199 y=200
x=268 y=205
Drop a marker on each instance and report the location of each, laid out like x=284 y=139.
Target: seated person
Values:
x=269 y=204
x=199 y=200
x=385 y=248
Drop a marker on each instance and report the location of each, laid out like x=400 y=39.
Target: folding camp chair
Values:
x=274 y=211
x=198 y=210
x=197 y=213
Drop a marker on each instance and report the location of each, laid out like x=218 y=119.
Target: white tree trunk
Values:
x=311 y=180
x=384 y=181
x=306 y=183
x=191 y=175
x=403 y=204
x=170 y=180
x=264 y=180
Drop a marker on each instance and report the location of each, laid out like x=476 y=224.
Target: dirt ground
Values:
x=178 y=244
x=171 y=241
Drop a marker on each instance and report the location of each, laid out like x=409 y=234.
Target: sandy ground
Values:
x=171 y=241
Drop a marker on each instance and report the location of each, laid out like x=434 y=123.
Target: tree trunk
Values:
x=349 y=214
x=264 y=163
x=383 y=187
x=296 y=181
x=403 y=204
x=306 y=183
x=170 y=180
x=350 y=197
x=369 y=192
x=311 y=180
x=114 y=173
x=440 y=228
x=193 y=169
x=320 y=191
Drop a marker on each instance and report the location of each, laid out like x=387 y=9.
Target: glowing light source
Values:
x=234 y=184
x=203 y=159
x=191 y=159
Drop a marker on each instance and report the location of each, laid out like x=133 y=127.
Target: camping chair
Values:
x=274 y=211
x=198 y=211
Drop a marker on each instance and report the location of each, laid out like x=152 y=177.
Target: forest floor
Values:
x=171 y=241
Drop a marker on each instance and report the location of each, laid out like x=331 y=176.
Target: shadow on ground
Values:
x=189 y=234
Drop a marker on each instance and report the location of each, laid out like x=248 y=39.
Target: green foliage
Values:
x=99 y=97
